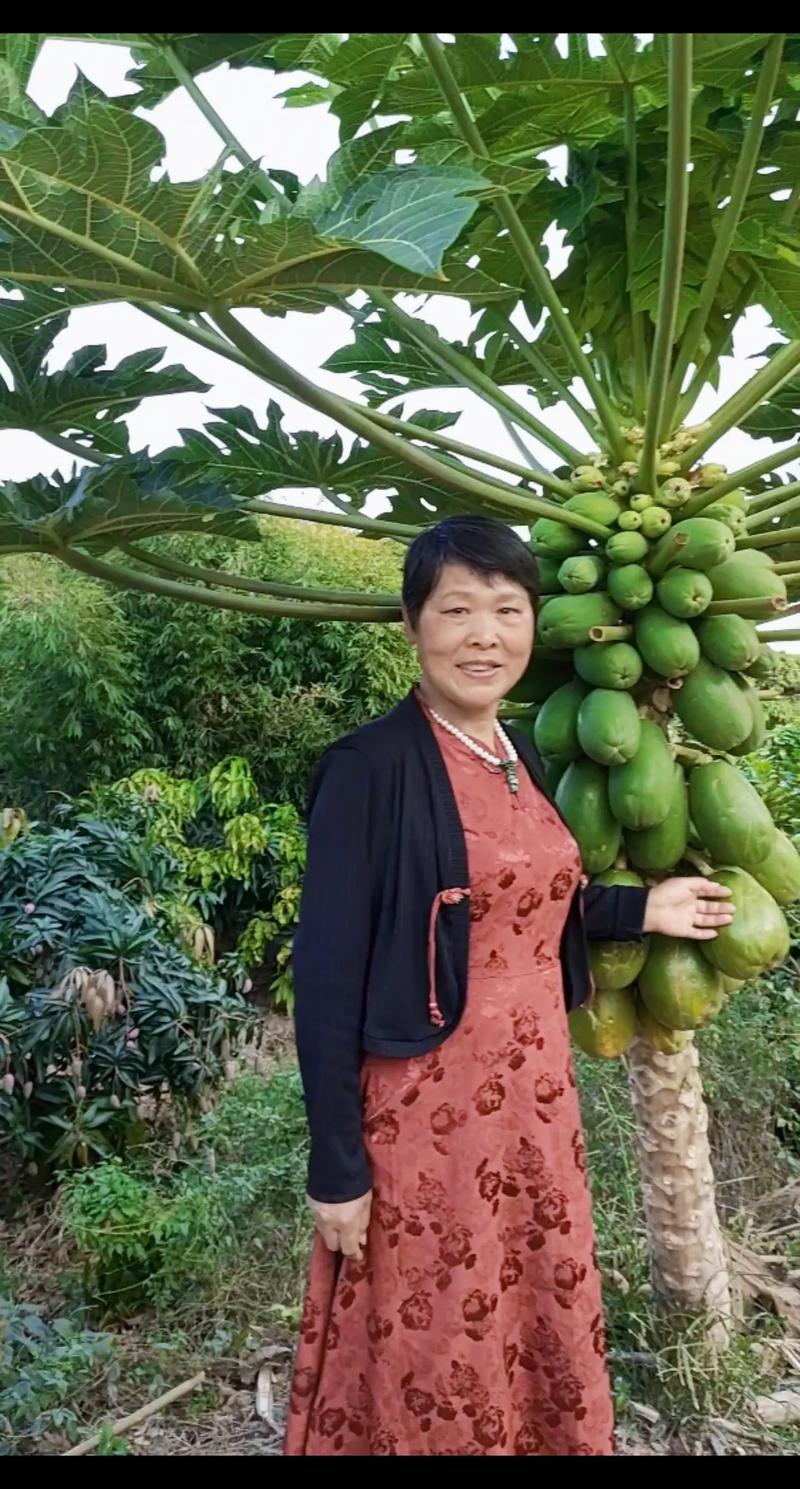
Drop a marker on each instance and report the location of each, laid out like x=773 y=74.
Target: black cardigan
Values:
x=385 y=839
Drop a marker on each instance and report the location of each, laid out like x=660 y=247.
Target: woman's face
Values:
x=474 y=639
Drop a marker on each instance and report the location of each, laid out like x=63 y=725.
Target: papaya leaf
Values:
x=104 y=506
x=80 y=207
x=199 y=52
x=84 y=397
x=409 y=216
x=778 y=418
x=18 y=52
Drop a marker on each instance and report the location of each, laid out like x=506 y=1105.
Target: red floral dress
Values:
x=474 y=1325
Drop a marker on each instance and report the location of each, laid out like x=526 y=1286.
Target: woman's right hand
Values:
x=344 y=1227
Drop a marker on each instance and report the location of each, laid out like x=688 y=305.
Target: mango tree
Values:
x=678 y=206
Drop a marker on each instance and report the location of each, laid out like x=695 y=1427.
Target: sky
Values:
x=300 y=140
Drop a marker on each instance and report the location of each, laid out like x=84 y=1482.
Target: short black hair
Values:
x=484 y=545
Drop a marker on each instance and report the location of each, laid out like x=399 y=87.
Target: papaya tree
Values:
x=659 y=568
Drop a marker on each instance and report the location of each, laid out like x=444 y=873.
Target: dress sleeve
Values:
x=614 y=913
x=330 y=959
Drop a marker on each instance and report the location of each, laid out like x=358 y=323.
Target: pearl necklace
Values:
x=508 y=766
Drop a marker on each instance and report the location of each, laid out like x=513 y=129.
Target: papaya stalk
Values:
x=753 y=609
x=772 y=539
x=679 y=147
x=155 y=584
x=784 y=501
x=658 y=562
x=221 y=577
x=528 y=257
x=725 y=233
x=610 y=633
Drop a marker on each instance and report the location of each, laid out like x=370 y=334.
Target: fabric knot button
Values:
x=452 y=896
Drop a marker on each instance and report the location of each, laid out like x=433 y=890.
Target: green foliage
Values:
x=45 y=1366
x=69 y=679
x=775 y=770
x=233 y=854
x=276 y=691
x=149 y=1232
x=106 y=682
x=84 y=397
x=98 y=1005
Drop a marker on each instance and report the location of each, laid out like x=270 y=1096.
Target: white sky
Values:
x=300 y=140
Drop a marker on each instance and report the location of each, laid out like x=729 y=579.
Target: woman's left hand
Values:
x=689 y=908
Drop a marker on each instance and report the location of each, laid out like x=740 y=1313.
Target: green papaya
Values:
x=779 y=872
x=675 y=492
x=656 y=521
x=658 y=1036
x=745 y=576
x=596 y=505
x=629 y=522
x=757 y=939
x=737 y=498
x=731 y=984
x=555 y=732
x=654 y=1034
x=613 y=877
x=548 y=574
x=626 y=548
x=668 y=646
x=582 y=797
x=616 y=964
x=684 y=593
x=630 y=586
x=708 y=543
x=587 y=477
x=763 y=666
x=758 y=733
x=609 y=726
x=678 y=984
x=732 y=516
x=732 y=821
x=639 y=791
x=605 y=1027
x=712 y=708
x=608 y=664
x=553 y=771
x=658 y=849
x=546 y=671
x=566 y=620
x=555 y=539
x=580 y=574
x=729 y=641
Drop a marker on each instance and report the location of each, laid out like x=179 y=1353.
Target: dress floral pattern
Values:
x=474 y=1325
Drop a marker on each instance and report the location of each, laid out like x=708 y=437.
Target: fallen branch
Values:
x=124 y=1424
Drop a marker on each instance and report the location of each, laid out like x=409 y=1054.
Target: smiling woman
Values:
x=453 y=1304
x=470 y=592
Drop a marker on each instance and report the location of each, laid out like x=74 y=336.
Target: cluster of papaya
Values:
x=644 y=635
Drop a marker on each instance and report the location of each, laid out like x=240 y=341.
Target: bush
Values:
x=44 y=1366
x=152 y=1230
x=98 y=1005
x=775 y=770
x=107 y=681
x=277 y=691
x=71 y=682
x=239 y=861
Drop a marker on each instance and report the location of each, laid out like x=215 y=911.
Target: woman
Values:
x=454 y=1303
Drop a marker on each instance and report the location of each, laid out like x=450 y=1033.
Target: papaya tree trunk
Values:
x=690 y=1266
